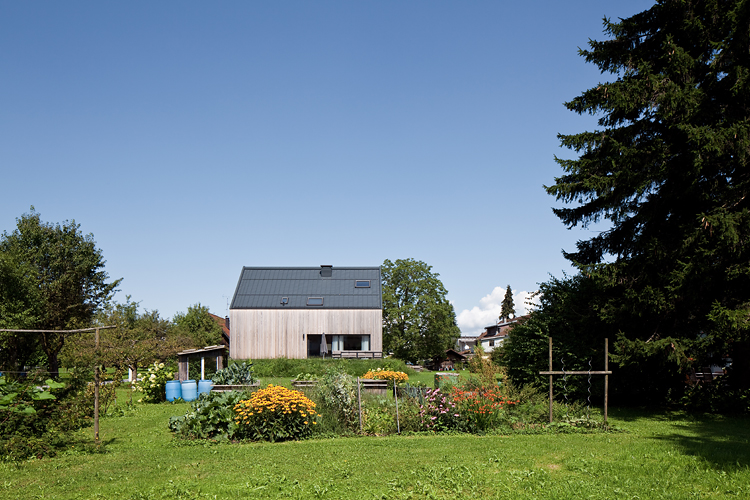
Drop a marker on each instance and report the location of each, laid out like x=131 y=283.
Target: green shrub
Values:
x=337 y=400
x=154 y=382
x=37 y=422
x=211 y=416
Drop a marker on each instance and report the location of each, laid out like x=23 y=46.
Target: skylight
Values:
x=362 y=284
x=315 y=301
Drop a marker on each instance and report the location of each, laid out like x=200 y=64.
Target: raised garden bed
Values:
x=304 y=384
x=226 y=388
x=374 y=386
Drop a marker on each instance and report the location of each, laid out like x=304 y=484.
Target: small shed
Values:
x=214 y=353
x=449 y=361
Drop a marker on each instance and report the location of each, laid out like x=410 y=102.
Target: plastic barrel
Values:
x=189 y=390
x=174 y=390
x=205 y=386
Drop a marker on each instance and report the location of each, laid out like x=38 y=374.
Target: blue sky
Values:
x=194 y=138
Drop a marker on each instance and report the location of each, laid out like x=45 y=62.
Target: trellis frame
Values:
x=606 y=374
x=96 y=366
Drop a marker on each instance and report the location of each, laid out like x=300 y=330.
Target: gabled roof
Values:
x=265 y=287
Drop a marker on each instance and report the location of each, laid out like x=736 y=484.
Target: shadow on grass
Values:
x=721 y=441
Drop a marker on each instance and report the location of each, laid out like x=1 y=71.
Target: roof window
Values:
x=315 y=301
x=284 y=300
x=362 y=284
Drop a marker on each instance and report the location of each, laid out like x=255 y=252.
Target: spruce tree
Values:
x=666 y=173
x=507 y=308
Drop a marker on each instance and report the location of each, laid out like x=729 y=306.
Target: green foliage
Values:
x=235 y=374
x=285 y=367
x=418 y=321
x=569 y=312
x=666 y=172
x=37 y=421
x=211 y=416
x=59 y=283
x=154 y=382
x=337 y=399
x=140 y=338
x=197 y=325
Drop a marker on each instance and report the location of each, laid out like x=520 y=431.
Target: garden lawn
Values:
x=657 y=456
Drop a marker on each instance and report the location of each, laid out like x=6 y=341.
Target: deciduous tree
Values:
x=418 y=321
x=65 y=270
x=198 y=325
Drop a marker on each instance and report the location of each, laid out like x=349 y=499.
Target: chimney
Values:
x=226 y=321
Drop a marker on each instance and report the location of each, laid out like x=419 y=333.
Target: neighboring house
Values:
x=224 y=324
x=285 y=311
x=466 y=344
x=451 y=361
x=494 y=335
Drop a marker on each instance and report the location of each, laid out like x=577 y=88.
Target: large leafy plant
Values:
x=211 y=416
x=235 y=374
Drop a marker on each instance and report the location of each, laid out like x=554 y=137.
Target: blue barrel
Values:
x=174 y=390
x=205 y=386
x=189 y=390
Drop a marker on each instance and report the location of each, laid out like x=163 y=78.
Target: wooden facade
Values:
x=274 y=333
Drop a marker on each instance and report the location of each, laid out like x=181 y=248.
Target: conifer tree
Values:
x=667 y=173
x=507 y=308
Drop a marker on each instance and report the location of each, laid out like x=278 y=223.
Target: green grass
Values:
x=657 y=455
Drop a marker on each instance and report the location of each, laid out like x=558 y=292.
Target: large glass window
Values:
x=350 y=343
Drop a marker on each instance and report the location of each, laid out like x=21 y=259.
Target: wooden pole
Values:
x=96 y=389
x=359 y=402
x=606 y=378
x=550 y=380
x=395 y=395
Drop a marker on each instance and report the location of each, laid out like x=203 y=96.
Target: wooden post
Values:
x=395 y=395
x=96 y=388
x=606 y=378
x=550 y=380
x=359 y=402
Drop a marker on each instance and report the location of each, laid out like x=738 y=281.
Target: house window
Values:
x=362 y=284
x=492 y=343
x=350 y=343
x=315 y=301
x=285 y=300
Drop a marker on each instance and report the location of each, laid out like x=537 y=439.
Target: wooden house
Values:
x=288 y=311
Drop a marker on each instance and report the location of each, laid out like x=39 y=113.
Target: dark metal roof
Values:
x=263 y=288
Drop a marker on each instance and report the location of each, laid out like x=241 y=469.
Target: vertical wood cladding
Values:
x=274 y=333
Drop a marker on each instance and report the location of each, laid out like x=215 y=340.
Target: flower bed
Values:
x=275 y=414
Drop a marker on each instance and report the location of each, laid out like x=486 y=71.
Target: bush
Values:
x=39 y=422
x=275 y=414
x=235 y=374
x=338 y=402
x=154 y=382
x=211 y=416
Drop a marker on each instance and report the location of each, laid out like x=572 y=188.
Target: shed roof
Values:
x=264 y=288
